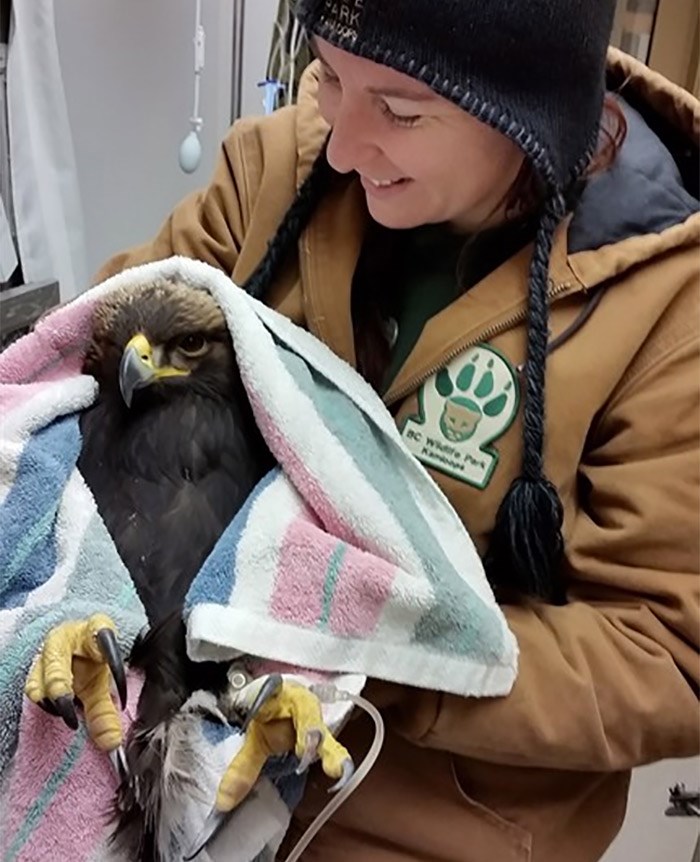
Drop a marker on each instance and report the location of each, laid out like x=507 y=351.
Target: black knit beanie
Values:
x=535 y=71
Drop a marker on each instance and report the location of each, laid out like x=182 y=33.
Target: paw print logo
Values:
x=473 y=395
x=462 y=410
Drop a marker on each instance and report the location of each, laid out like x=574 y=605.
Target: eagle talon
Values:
x=119 y=763
x=48 y=707
x=65 y=708
x=344 y=780
x=313 y=741
x=107 y=642
x=283 y=717
x=211 y=828
x=77 y=663
x=269 y=689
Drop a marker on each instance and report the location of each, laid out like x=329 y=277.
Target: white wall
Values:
x=127 y=67
x=647 y=834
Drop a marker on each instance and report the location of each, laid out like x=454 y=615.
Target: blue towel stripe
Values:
x=115 y=595
x=217 y=578
x=27 y=515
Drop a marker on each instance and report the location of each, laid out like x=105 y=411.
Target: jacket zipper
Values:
x=496 y=329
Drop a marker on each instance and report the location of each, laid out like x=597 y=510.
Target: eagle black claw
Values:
x=66 y=710
x=107 y=642
x=47 y=706
x=119 y=763
x=270 y=687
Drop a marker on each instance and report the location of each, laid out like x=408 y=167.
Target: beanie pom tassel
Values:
x=526 y=545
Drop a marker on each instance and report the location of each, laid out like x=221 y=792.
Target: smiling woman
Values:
x=408 y=146
x=494 y=218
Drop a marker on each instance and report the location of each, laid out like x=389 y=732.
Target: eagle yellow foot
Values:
x=79 y=659
x=282 y=716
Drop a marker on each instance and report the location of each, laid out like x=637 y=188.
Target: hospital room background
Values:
x=111 y=112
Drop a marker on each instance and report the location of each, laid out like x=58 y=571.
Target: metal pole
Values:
x=237 y=59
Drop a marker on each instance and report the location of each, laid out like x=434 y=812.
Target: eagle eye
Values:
x=194 y=344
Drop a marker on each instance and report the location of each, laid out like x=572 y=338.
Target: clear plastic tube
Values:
x=328 y=693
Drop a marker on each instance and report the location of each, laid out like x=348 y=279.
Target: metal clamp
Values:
x=683 y=803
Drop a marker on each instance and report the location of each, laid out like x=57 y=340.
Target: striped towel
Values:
x=57 y=562
x=347 y=559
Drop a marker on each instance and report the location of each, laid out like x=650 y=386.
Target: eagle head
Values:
x=160 y=339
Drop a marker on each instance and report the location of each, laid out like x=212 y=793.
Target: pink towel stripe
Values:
x=362 y=591
x=303 y=561
x=25 y=784
x=74 y=823
x=304 y=481
x=52 y=350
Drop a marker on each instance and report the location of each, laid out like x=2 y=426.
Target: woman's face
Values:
x=421 y=159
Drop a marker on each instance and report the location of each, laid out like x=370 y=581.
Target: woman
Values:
x=456 y=206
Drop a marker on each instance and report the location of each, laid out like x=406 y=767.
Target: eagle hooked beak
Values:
x=139 y=368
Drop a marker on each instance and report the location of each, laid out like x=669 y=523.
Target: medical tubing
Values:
x=328 y=693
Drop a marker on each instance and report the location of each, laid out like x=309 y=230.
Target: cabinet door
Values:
x=633 y=27
x=675 y=44
x=663 y=33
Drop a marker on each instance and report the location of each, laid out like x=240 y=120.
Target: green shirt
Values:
x=435 y=266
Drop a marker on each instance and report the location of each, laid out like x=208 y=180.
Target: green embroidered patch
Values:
x=461 y=410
